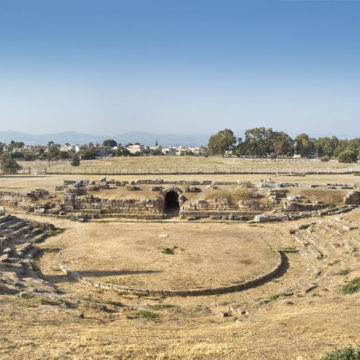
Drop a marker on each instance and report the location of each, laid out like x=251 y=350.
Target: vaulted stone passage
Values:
x=171 y=206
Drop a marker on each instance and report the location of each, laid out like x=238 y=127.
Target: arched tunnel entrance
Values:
x=171 y=205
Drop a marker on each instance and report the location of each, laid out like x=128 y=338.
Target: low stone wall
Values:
x=281 y=216
x=208 y=214
x=17 y=198
x=276 y=270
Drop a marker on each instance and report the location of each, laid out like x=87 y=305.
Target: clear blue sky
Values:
x=187 y=66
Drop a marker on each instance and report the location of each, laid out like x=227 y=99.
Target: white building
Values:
x=79 y=148
x=135 y=148
x=66 y=148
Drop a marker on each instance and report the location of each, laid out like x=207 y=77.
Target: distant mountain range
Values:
x=74 y=138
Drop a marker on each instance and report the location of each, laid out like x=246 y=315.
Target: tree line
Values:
x=265 y=142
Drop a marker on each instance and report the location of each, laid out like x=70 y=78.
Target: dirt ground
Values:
x=300 y=314
x=210 y=255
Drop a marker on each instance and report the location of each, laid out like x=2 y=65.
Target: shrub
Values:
x=143 y=315
x=239 y=193
x=63 y=154
x=168 y=251
x=343 y=354
x=343 y=272
x=29 y=157
x=8 y=164
x=75 y=161
x=351 y=287
x=16 y=155
x=347 y=156
x=325 y=158
x=122 y=152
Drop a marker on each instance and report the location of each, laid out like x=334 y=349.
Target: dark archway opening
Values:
x=171 y=206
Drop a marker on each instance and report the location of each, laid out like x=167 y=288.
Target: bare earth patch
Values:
x=169 y=256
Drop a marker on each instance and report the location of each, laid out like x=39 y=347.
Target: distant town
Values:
x=20 y=150
x=257 y=142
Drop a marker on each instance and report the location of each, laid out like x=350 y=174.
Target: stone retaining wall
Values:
x=17 y=198
x=208 y=214
x=90 y=202
x=276 y=270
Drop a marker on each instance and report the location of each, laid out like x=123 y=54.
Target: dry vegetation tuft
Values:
x=231 y=195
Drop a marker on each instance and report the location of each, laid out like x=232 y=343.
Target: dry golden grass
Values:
x=205 y=255
x=192 y=163
x=191 y=329
x=326 y=196
x=301 y=326
x=230 y=194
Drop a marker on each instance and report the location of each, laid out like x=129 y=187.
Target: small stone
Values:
x=225 y=314
x=7 y=251
x=81 y=315
x=310 y=288
x=4 y=258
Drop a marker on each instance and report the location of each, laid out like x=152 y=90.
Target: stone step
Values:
x=5 y=242
x=32 y=253
x=24 y=249
x=21 y=231
x=4 y=258
x=36 y=231
x=39 y=238
x=18 y=225
x=6 y=218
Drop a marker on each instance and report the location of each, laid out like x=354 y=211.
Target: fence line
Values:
x=186 y=171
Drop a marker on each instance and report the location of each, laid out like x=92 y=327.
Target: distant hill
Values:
x=74 y=138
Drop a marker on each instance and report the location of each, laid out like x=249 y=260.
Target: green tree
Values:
x=110 y=143
x=15 y=144
x=89 y=154
x=63 y=154
x=281 y=143
x=221 y=142
x=256 y=141
x=347 y=156
x=304 y=145
x=16 y=155
x=324 y=146
x=122 y=152
x=75 y=160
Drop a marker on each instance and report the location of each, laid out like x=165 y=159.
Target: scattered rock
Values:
x=353 y=198
x=4 y=258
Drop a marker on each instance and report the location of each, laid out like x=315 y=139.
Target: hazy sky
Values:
x=189 y=66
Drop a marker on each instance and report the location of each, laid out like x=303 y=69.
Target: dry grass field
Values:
x=193 y=164
x=300 y=314
x=210 y=255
